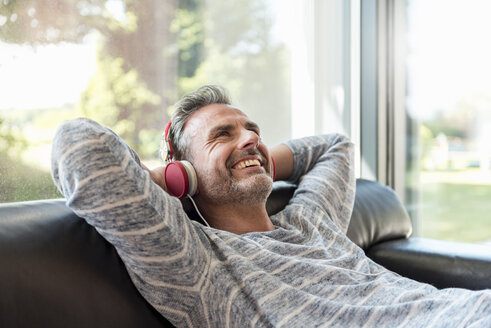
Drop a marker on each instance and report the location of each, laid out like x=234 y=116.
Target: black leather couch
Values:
x=57 y=271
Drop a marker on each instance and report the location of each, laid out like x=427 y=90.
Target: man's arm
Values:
x=157 y=175
x=283 y=158
x=103 y=181
x=323 y=171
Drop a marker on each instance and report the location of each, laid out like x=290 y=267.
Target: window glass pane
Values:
x=124 y=63
x=449 y=110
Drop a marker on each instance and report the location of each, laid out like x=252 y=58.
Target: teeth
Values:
x=249 y=162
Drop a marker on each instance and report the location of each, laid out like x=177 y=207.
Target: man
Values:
x=294 y=269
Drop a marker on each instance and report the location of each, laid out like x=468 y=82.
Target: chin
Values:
x=256 y=189
x=252 y=190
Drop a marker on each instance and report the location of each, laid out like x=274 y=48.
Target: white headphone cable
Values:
x=197 y=210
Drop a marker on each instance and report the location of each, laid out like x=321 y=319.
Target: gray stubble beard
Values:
x=253 y=190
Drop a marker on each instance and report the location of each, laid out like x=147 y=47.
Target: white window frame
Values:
x=325 y=68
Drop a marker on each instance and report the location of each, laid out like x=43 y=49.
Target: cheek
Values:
x=208 y=165
x=211 y=174
x=220 y=155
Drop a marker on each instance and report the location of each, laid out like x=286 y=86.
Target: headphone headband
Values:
x=166 y=151
x=274 y=168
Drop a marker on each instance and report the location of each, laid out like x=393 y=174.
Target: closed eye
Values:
x=256 y=131
x=222 y=134
x=251 y=126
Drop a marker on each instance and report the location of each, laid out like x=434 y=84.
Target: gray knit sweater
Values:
x=305 y=273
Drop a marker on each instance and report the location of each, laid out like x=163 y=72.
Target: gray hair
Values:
x=184 y=108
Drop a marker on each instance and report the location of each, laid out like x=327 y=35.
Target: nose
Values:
x=248 y=139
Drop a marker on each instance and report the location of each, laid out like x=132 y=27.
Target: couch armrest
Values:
x=440 y=263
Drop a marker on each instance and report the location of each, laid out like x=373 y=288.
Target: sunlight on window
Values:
x=449 y=103
x=124 y=65
x=44 y=76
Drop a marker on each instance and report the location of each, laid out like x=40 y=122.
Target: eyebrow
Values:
x=228 y=127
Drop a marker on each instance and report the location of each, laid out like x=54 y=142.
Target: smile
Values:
x=247 y=163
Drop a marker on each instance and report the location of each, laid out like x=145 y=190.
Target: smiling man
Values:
x=296 y=268
x=233 y=166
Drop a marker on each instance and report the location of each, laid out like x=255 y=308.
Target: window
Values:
x=449 y=119
x=291 y=65
x=426 y=111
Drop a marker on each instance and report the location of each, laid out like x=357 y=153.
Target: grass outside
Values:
x=456 y=205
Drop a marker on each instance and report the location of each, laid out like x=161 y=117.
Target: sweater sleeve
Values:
x=103 y=182
x=323 y=171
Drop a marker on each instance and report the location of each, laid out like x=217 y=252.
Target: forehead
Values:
x=208 y=117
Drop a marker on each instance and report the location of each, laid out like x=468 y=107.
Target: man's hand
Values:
x=157 y=175
x=283 y=158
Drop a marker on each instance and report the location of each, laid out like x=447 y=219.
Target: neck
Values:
x=236 y=218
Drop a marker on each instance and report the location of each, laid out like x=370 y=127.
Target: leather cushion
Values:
x=378 y=215
x=57 y=271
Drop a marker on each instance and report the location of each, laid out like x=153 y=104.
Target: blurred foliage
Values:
x=462 y=120
x=113 y=98
x=42 y=22
x=241 y=54
x=188 y=27
x=426 y=140
x=438 y=126
x=134 y=37
x=12 y=141
x=150 y=53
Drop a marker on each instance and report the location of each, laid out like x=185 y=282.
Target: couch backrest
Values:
x=57 y=271
x=378 y=214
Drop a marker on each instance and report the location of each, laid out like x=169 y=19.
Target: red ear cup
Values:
x=179 y=176
x=180 y=179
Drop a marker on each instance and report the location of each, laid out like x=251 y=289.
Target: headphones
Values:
x=179 y=176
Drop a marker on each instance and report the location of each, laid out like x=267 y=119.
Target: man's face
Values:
x=232 y=164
